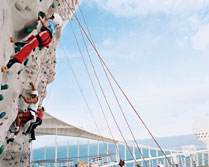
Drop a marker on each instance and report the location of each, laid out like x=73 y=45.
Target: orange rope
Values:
x=118 y=85
x=85 y=100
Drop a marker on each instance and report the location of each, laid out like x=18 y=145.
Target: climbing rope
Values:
x=108 y=105
x=85 y=100
x=94 y=47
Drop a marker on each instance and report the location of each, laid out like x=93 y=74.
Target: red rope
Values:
x=82 y=93
x=118 y=85
x=115 y=97
x=106 y=99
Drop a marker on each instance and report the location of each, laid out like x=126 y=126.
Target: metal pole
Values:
x=78 y=152
x=55 y=165
x=157 y=160
x=203 y=159
x=117 y=152
x=125 y=157
x=98 y=149
x=134 y=154
x=44 y=155
x=149 y=156
x=141 y=157
x=88 y=151
x=67 y=153
x=107 y=152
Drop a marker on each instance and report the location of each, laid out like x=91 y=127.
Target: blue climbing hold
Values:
x=2 y=149
x=3 y=87
x=2 y=114
x=1 y=97
x=26 y=62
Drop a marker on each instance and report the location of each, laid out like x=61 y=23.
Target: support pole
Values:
x=157 y=160
x=98 y=149
x=117 y=153
x=107 y=152
x=67 y=153
x=149 y=152
x=44 y=155
x=134 y=154
x=125 y=156
x=88 y=152
x=55 y=165
x=78 y=152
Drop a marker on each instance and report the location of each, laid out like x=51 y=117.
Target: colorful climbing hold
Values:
x=53 y=5
x=41 y=14
x=30 y=76
x=3 y=87
x=12 y=39
x=18 y=48
x=26 y=62
x=28 y=30
x=1 y=123
x=1 y=97
x=2 y=114
x=19 y=72
x=2 y=149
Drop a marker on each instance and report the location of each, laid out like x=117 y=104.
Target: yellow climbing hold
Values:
x=12 y=39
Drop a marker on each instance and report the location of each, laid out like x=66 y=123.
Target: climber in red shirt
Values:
x=42 y=39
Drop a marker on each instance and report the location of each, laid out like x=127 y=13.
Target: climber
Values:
x=23 y=118
x=33 y=125
x=42 y=39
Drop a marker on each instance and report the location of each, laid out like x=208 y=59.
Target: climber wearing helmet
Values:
x=33 y=125
x=42 y=39
x=23 y=118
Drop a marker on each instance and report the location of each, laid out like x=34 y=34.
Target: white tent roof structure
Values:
x=52 y=126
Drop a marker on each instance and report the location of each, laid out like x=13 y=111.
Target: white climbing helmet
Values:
x=34 y=92
x=57 y=20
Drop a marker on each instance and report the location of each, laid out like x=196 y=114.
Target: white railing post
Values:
x=55 y=165
x=97 y=148
x=88 y=152
x=157 y=160
x=149 y=156
x=44 y=155
x=67 y=153
x=107 y=152
x=134 y=156
x=125 y=154
x=116 y=152
x=78 y=152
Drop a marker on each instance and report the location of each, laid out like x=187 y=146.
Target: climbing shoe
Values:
x=30 y=140
x=3 y=68
x=14 y=130
x=24 y=133
x=21 y=43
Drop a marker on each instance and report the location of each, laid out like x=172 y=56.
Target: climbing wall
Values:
x=18 y=21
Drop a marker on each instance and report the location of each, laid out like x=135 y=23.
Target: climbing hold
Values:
x=19 y=72
x=30 y=76
x=1 y=149
x=13 y=101
x=1 y=97
x=59 y=4
x=26 y=62
x=6 y=137
x=2 y=114
x=41 y=14
x=34 y=49
x=12 y=39
x=18 y=48
x=3 y=87
x=53 y=5
x=23 y=83
x=28 y=30
x=40 y=48
x=6 y=117
x=1 y=123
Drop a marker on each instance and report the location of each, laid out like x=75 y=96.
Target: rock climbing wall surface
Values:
x=18 y=21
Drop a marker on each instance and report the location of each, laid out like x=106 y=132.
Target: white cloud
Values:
x=200 y=39
x=141 y=7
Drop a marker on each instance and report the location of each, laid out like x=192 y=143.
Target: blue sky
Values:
x=157 y=50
